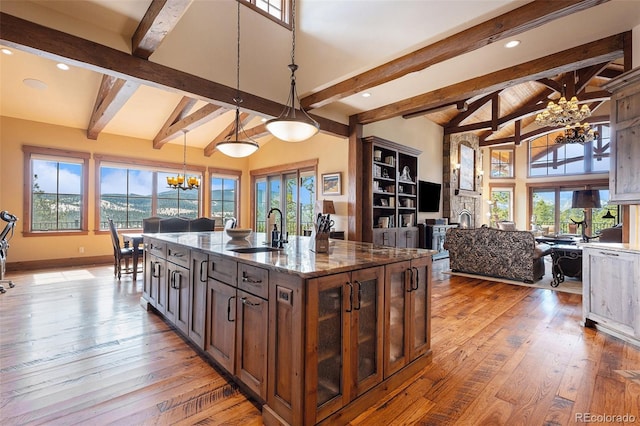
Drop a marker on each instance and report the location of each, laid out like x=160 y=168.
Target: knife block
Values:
x=320 y=242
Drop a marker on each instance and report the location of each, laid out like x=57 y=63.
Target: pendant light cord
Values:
x=293 y=32
x=184 y=156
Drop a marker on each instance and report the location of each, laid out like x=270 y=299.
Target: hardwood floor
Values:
x=77 y=348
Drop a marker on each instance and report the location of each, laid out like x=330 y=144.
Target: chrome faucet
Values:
x=281 y=240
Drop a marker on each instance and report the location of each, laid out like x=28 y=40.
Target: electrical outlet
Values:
x=81 y=249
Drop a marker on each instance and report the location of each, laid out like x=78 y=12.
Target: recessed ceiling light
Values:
x=511 y=43
x=63 y=67
x=6 y=51
x=366 y=94
x=35 y=84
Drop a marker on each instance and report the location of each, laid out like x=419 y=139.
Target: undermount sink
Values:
x=253 y=249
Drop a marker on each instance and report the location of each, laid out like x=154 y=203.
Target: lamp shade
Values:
x=325 y=206
x=586 y=199
x=292 y=129
x=237 y=149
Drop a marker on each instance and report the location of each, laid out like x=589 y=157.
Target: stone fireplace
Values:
x=461 y=206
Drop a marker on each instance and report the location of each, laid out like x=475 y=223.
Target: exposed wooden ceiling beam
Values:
x=191 y=121
x=596 y=52
x=161 y=17
x=211 y=146
x=179 y=112
x=114 y=92
x=524 y=18
x=53 y=44
x=112 y=95
x=257 y=131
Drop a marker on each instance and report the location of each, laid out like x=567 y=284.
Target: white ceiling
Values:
x=336 y=39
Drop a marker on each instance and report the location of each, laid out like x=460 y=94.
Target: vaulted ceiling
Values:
x=149 y=69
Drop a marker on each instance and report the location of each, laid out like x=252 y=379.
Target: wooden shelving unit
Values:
x=390 y=204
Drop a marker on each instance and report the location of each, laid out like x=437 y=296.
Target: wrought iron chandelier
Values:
x=564 y=113
x=233 y=146
x=293 y=125
x=178 y=182
x=578 y=133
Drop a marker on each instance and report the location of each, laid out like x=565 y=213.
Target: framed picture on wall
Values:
x=467 y=157
x=332 y=184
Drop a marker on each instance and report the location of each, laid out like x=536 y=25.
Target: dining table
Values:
x=133 y=240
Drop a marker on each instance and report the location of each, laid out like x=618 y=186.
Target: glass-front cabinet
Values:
x=407 y=296
x=347 y=333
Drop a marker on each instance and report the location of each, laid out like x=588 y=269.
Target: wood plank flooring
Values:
x=77 y=348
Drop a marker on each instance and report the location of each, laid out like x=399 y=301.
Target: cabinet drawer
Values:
x=223 y=270
x=156 y=248
x=178 y=254
x=253 y=279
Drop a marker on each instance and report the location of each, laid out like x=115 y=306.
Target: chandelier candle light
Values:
x=293 y=125
x=235 y=147
x=177 y=182
x=568 y=114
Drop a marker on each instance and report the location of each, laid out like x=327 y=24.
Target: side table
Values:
x=567 y=261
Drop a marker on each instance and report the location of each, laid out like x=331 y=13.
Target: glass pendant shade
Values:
x=293 y=125
x=290 y=128
x=237 y=149
x=234 y=146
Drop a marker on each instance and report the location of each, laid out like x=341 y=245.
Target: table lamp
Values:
x=585 y=199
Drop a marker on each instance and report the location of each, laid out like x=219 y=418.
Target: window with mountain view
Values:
x=128 y=195
x=56 y=190
x=224 y=198
x=502 y=163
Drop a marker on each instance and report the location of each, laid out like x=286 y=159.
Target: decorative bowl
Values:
x=238 y=233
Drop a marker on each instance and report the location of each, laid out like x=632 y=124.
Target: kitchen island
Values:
x=314 y=337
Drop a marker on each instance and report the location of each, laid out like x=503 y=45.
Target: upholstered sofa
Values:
x=492 y=252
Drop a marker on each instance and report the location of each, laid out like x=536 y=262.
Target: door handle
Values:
x=357 y=308
x=410 y=271
x=202 y=268
x=350 y=297
x=229 y=309
x=416 y=279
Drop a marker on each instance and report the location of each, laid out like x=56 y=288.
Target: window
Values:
x=551 y=211
x=129 y=194
x=502 y=163
x=293 y=192
x=277 y=10
x=501 y=204
x=547 y=158
x=56 y=190
x=224 y=198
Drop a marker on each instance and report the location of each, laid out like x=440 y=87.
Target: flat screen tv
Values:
x=429 y=196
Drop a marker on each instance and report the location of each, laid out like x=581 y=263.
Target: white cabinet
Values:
x=624 y=177
x=611 y=290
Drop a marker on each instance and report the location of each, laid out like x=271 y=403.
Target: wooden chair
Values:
x=202 y=224
x=174 y=224
x=121 y=254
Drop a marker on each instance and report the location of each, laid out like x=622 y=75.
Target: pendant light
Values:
x=234 y=147
x=178 y=182
x=293 y=125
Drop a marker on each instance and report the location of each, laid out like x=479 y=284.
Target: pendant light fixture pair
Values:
x=233 y=146
x=293 y=125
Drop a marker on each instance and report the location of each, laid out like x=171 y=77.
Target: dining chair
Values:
x=230 y=223
x=174 y=224
x=121 y=254
x=202 y=224
x=151 y=224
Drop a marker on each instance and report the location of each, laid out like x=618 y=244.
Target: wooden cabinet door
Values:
x=611 y=293
x=407 y=237
x=177 y=307
x=155 y=278
x=198 y=297
x=384 y=237
x=396 y=314
x=419 y=307
x=328 y=334
x=220 y=323
x=366 y=329
x=252 y=327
